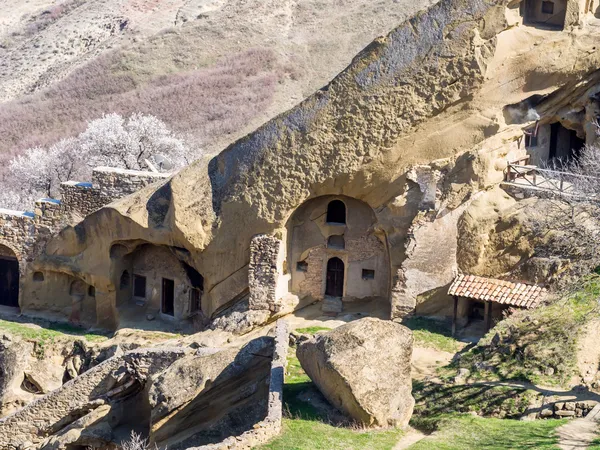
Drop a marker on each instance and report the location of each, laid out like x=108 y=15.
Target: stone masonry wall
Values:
x=26 y=232
x=115 y=183
x=270 y=427
x=82 y=198
x=262 y=273
x=22 y=234
x=86 y=392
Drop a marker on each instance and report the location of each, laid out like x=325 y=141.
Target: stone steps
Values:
x=332 y=305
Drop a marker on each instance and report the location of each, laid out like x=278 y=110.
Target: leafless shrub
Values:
x=569 y=225
x=137 y=442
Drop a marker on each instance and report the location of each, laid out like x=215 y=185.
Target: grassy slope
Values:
x=433 y=334
x=48 y=334
x=456 y=432
x=538 y=345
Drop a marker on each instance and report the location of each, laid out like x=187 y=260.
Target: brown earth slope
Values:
x=65 y=62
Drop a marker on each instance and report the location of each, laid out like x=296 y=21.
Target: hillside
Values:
x=213 y=69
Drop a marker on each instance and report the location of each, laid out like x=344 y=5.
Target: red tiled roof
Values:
x=499 y=291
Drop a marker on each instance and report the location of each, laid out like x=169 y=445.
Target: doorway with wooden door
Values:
x=335 y=278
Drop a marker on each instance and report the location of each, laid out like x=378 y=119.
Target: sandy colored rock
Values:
x=212 y=391
x=363 y=369
x=45 y=375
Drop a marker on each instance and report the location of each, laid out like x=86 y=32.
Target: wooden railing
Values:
x=547 y=179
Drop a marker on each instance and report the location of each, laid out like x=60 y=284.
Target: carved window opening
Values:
x=38 y=276
x=368 y=274
x=302 y=266
x=336 y=242
x=92 y=291
x=336 y=212
x=125 y=280
x=139 y=286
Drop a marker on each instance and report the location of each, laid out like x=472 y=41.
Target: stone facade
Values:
x=26 y=233
x=262 y=273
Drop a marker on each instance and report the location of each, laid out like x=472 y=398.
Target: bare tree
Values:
x=111 y=141
x=568 y=224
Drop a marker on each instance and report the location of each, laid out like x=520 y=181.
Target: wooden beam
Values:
x=454 y=315
x=488 y=316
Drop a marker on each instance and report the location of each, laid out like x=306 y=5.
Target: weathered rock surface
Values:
x=363 y=369
x=210 y=395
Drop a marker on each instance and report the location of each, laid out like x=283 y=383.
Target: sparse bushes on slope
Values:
x=537 y=345
x=206 y=104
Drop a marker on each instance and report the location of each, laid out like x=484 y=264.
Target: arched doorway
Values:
x=335 y=278
x=9 y=277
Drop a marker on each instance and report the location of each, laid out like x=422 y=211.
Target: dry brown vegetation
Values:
x=206 y=103
x=212 y=71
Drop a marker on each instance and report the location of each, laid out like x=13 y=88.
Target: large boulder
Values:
x=363 y=369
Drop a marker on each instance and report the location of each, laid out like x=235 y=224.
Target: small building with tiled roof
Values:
x=479 y=298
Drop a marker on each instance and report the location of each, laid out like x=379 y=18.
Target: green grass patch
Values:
x=299 y=434
x=48 y=335
x=433 y=334
x=595 y=445
x=312 y=330
x=308 y=428
x=465 y=432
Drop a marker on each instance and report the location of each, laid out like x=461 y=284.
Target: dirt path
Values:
x=426 y=360
x=578 y=434
x=412 y=436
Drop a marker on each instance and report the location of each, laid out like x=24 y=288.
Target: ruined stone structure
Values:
x=176 y=392
x=373 y=188
x=23 y=236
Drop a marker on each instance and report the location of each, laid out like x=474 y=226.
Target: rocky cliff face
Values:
x=414 y=128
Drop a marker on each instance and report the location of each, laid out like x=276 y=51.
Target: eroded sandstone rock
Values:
x=363 y=369
x=214 y=392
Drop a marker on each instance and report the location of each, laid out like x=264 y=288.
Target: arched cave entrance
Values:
x=9 y=277
x=332 y=242
x=153 y=282
x=335 y=278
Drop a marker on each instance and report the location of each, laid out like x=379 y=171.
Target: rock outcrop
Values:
x=363 y=369
x=211 y=395
x=183 y=397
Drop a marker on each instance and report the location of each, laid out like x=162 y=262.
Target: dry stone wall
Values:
x=26 y=232
x=262 y=273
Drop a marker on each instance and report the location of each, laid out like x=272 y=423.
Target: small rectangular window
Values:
x=139 y=286
x=194 y=300
x=302 y=266
x=368 y=274
x=531 y=140
x=548 y=7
